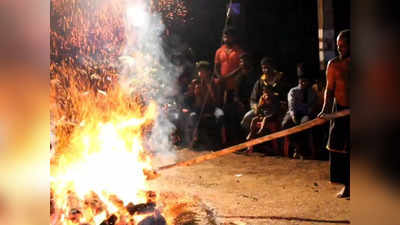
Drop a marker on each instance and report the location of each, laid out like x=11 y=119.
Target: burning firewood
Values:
x=52 y=206
x=142 y=208
x=151 y=196
x=156 y=219
x=93 y=202
x=74 y=215
x=110 y=221
x=150 y=174
x=116 y=201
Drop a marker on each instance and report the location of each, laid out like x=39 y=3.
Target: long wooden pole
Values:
x=279 y=134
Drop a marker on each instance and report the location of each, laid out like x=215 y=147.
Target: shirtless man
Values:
x=336 y=97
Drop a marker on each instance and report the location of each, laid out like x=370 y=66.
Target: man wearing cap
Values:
x=268 y=80
x=271 y=77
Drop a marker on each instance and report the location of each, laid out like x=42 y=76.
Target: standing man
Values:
x=336 y=97
x=227 y=63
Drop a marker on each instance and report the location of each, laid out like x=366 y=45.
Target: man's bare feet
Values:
x=344 y=193
x=296 y=155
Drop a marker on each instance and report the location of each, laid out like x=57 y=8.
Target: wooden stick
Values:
x=279 y=134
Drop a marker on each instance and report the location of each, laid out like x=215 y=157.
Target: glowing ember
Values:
x=173 y=10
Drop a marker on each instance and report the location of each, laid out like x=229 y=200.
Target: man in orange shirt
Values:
x=227 y=61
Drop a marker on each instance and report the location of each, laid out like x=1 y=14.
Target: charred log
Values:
x=153 y=220
x=150 y=174
x=142 y=208
x=151 y=196
x=74 y=215
x=110 y=221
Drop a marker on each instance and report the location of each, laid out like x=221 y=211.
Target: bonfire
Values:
x=101 y=119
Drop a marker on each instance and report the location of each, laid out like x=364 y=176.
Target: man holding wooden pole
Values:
x=337 y=98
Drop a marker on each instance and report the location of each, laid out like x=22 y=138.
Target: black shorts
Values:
x=339 y=133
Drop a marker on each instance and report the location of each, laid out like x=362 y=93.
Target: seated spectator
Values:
x=237 y=100
x=272 y=78
x=268 y=79
x=265 y=118
x=301 y=108
x=185 y=123
x=200 y=105
x=246 y=80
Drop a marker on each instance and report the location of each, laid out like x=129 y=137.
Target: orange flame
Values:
x=104 y=153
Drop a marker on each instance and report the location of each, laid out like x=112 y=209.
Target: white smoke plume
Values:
x=145 y=69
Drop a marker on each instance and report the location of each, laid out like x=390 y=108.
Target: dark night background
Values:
x=286 y=30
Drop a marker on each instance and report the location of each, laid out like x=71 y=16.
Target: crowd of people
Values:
x=219 y=103
x=234 y=101
x=231 y=102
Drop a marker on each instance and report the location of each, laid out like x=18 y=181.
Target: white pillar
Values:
x=326 y=32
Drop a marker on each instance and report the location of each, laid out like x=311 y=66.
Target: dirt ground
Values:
x=260 y=190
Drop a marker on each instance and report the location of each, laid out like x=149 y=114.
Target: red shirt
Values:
x=229 y=60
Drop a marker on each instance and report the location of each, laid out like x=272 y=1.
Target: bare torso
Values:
x=338 y=79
